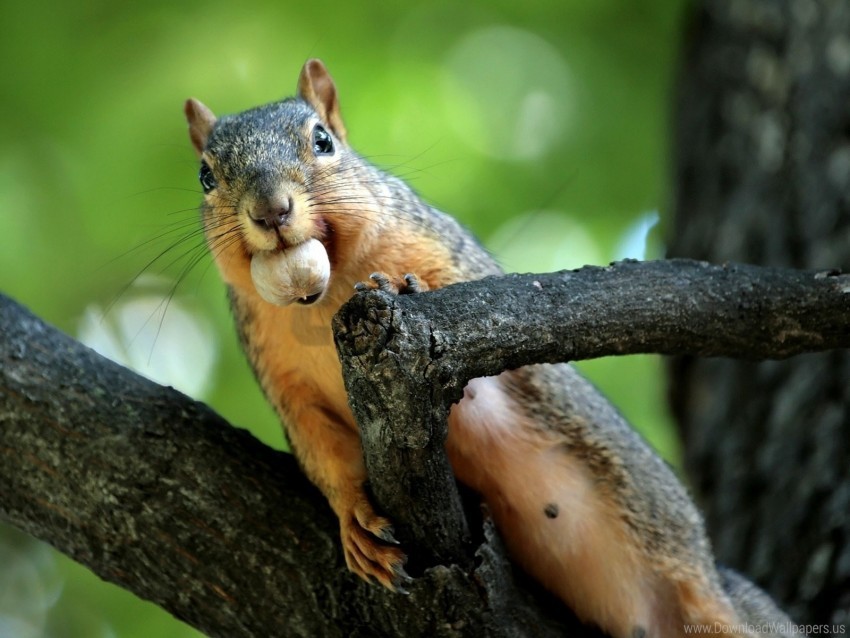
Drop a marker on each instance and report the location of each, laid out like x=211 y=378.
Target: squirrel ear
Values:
x=316 y=87
x=201 y=121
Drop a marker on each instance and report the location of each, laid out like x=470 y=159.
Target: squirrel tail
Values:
x=757 y=612
x=752 y=613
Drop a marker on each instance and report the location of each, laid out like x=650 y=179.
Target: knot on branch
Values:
x=365 y=328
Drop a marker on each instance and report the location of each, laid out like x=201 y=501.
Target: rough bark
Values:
x=762 y=167
x=407 y=359
x=156 y=493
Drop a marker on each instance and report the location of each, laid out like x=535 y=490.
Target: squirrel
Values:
x=583 y=503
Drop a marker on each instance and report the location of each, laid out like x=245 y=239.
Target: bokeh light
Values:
x=507 y=93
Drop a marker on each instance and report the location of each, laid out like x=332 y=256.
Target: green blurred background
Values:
x=544 y=126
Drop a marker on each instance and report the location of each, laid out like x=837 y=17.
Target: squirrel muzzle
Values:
x=272 y=213
x=277 y=221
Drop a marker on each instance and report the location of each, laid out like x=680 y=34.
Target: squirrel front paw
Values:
x=371 y=551
x=407 y=285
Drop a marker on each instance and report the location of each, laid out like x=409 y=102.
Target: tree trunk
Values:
x=762 y=163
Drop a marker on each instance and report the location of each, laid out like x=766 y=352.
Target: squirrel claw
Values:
x=402 y=581
x=407 y=285
x=387 y=535
x=383 y=282
x=378 y=281
x=413 y=285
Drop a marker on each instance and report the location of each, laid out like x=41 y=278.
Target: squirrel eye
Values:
x=205 y=176
x=322 y=142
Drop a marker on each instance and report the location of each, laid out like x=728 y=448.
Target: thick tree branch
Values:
x=406 y=359
x=676 y=306
x=156 y=493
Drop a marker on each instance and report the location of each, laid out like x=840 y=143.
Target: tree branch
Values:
x=409 y=357
x=158 y=494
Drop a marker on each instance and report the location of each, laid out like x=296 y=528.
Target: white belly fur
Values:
x=583 y=553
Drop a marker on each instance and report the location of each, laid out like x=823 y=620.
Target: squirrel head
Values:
x=271 y=175
x=315 y=87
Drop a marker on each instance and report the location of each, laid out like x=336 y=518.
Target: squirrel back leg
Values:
x=561 y=522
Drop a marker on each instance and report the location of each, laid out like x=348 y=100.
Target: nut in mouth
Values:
x=296 y=274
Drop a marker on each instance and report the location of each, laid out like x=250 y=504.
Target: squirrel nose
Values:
x=272 y=214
